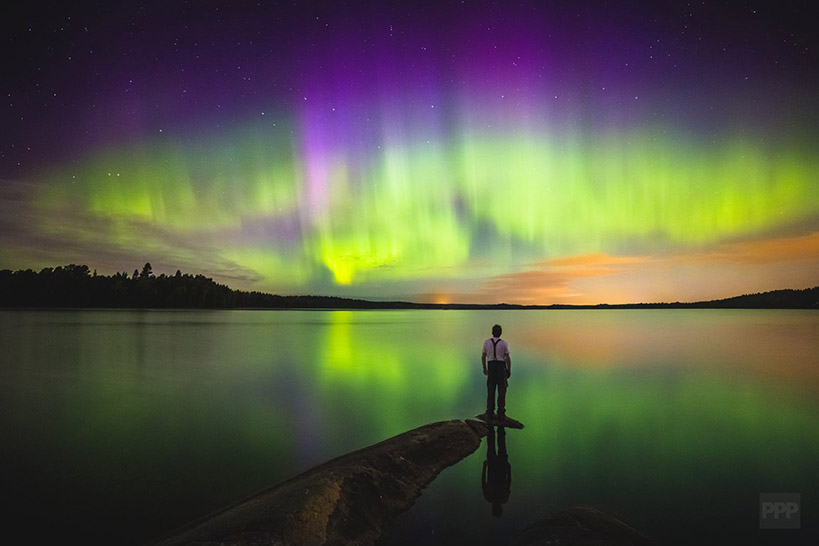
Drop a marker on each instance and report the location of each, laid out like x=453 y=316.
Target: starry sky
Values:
x=527 y=152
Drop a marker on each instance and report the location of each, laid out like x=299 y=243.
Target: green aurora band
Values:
x=434 y=208
x=461 y=151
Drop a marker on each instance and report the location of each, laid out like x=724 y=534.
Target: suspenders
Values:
x=495 y=347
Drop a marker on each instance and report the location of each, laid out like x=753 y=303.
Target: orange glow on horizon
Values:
x=719 y=271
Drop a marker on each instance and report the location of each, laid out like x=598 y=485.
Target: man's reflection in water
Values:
x=496 y=477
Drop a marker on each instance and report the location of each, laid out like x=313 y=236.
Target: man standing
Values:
x=497 y=370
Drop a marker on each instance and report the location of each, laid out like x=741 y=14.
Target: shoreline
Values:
x=440 y=307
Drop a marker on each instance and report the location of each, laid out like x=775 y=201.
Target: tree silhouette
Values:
x=74 y=286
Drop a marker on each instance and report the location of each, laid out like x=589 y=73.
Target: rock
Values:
x=348 y=500
x=580 y=526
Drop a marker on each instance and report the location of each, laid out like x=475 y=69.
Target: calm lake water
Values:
x=119 y=426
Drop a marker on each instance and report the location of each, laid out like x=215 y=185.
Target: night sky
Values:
x=526 y=152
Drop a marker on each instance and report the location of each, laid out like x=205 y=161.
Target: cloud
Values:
x=593 y=260
x=34 y=237
x=760 y=251
x=718 y=271
x=552 y=281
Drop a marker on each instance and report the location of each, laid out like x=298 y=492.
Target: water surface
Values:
x=119 y=426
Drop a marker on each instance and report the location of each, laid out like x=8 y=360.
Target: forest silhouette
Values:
x=76 y=286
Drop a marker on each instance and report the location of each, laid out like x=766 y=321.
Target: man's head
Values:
x=496 y=330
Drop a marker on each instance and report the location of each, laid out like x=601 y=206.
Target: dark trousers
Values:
x=496 y=378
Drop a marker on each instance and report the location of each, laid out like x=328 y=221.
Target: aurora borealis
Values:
x=530 y=152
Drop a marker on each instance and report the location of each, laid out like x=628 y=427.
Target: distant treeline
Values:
x=76 y=286
x=776 y=299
